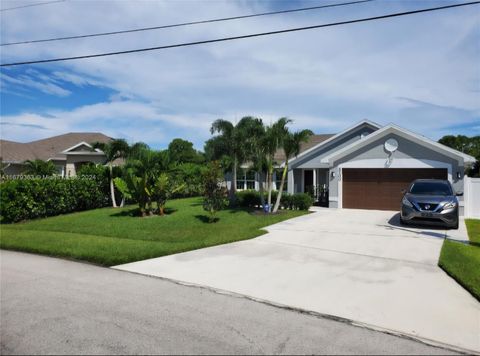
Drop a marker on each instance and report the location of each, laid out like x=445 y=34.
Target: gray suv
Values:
x=430 y=201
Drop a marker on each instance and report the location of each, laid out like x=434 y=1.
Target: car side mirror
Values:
x=459 y=194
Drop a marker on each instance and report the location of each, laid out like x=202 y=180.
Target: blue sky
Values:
x=421 y=72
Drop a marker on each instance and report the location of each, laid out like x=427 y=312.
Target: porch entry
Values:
x=315 y=183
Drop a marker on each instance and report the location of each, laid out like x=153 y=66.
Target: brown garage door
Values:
x=369 y=188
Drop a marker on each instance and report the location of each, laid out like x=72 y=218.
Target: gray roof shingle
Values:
x=17 y=152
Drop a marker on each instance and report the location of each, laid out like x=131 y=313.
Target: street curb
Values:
x=400 y=334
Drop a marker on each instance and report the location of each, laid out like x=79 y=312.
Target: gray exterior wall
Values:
x=313 y=158
x=408 y=155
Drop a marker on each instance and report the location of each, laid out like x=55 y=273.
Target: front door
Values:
x=308 y=181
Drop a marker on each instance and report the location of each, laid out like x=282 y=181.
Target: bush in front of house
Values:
x=25 y=199
x=251 y=199
x=248 y=198
x=301 y=201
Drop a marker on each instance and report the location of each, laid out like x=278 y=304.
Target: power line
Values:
x=243 y=36
x=185 y=23
x=31 y=5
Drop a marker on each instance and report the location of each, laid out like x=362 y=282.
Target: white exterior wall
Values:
x=472 y=198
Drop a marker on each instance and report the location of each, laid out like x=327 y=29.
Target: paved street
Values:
x=55 y=306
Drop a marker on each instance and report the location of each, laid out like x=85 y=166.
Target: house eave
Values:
x=333 y=138
x=392 y=128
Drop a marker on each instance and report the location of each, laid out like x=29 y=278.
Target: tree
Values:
x=230 y=142
x=134 y=187
x=38 y=167
x=182 y=151
x=162 y=190
x=291 y=147
x=468 y=145
x=215 y=194
x=274 y=136
x=142 y=171
x=254 y=130
x=113 y=150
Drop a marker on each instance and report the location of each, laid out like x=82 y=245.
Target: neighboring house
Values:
x=366 y=166
x=68 y=152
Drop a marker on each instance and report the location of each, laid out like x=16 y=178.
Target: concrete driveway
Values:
x=354 y=264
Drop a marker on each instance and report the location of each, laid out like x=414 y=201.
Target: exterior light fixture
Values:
x=459 y=175
x=332 y=174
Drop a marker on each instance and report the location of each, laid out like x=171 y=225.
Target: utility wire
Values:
x=397 y=14
x=185 y=23
x=30 y=5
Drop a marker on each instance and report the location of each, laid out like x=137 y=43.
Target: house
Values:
x=366 y=166
x=68 y=152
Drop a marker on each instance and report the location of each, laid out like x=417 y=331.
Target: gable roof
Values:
x=392 y=128
x=48 y=148
x=336 y=136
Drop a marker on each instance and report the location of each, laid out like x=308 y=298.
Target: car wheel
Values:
x=455 y=227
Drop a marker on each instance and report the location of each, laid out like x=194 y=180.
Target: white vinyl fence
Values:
x=472 y=197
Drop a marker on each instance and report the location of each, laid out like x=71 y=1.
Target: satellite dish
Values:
x=391 y=145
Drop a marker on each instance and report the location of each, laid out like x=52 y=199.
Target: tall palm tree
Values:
x=274 y=136
x=113 y=150
x=291 y=147
x=231 y=139
x=254 y=135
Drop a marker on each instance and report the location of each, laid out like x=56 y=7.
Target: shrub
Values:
x=301 y=201
x=251 y=199
x=248 y=198
x=37 y=198
x=215 y=194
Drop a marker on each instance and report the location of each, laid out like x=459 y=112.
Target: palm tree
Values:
x=254 y=130
x=291 y=147
x=231 y=140
x=274 y=136
x=113 y=150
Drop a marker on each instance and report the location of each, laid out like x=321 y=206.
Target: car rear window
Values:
x=431 y=188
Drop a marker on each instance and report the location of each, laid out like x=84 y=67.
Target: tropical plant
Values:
x=37 y=167
x=113 y=150
x=162 y=190
x=291 y=147
x=230 y=142
x=215 y=194
x=254 y=131
x=135 y=188
x=274 y=136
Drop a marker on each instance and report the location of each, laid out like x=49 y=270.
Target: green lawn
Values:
x=114 y=236
x=462 y=261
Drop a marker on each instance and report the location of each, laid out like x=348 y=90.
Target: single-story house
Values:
x=365 y=166
x=68 y=152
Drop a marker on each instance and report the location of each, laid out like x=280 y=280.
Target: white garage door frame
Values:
x=382 y=163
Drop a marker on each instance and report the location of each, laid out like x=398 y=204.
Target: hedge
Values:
x=298 y=201
x=24 y=199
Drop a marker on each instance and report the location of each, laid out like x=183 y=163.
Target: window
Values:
x=278 y=180
x=245 y=179
x=250 y=179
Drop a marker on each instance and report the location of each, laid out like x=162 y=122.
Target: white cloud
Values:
x=324 y=79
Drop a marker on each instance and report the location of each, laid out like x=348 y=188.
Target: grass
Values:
x=462 y=261
x=115 y=236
